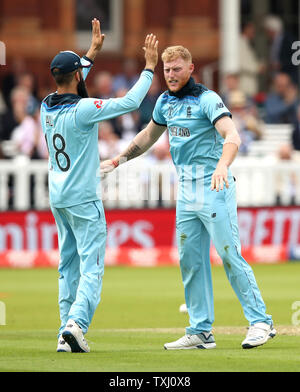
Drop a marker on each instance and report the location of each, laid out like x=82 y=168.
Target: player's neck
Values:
x=70 y=89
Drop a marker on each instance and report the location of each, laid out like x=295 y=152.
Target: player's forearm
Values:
x=92 y=53
x=229 y=153
x=232 y=140
x=140 y=144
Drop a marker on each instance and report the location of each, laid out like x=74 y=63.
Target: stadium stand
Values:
x=273 y=136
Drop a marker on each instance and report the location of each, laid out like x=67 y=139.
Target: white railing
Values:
x=22 y=179
x=140 y=183
x=260 y=182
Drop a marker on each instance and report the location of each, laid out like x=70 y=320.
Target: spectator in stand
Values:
x=14 y=115
x=231 y=83
x=109 y=143
x=281 y=104
x=40 y=146
x=27 y=80
x=28 y=135
x=245 y=119
x=250 y=66
x=103 y=85
x=103 y=88
x=128 y=77
x=10 y=80
x=160 y=151
x=3 y=106
x=281 y=52
x=126 y=126
x=296 y=132
x=3 y=109
x=159 y=154
x=286 y=183
x=147 y=106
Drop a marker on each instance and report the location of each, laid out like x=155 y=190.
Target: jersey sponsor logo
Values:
x=179 y=131
x=219 y=105
x=189 y=112
x=98 y=103
x=170 y=111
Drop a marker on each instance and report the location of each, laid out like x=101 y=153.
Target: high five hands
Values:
x=97 y=40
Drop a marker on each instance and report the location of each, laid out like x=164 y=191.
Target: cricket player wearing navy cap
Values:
x=70 y=124
x=203 y=144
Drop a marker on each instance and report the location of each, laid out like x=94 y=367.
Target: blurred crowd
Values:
x=251 y=105
x=20 y=99
x=276 y=101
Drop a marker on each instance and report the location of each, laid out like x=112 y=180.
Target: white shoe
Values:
x=73 y=335
x=63 y=346
x=203 y=340
x=258 y=334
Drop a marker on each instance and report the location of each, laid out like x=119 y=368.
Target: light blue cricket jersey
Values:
x=190 y=116
x=70 y=124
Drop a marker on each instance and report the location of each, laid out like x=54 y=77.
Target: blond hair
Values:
x=173 y=52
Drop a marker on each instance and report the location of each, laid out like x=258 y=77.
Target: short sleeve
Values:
x=157 y=115
x=213 y=107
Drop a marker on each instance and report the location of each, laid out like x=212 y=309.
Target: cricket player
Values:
x=70 y=124
x=203 y=144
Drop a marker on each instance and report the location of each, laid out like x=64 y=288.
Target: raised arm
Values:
x=87 y=61
x=226 y=128
x=97 y=40
x=93 y=110
x=141 y=143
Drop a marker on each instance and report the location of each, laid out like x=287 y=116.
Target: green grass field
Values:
x=138 y=313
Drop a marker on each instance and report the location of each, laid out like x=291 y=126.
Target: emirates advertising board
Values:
x=148 y=237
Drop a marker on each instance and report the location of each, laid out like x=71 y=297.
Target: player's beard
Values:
x=81 y=88
x=181 y=83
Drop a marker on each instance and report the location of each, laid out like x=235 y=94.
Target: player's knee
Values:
x=190 y=263
x=233 y=262
x=189 y=272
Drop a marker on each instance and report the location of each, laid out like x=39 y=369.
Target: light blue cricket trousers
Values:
x=81 y=239
x=214 y=218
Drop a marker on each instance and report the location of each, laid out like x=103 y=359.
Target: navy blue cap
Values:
x=66 y=62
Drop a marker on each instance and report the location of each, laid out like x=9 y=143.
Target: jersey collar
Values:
x=61 y=99
x=187 y=89
x=191 y=88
